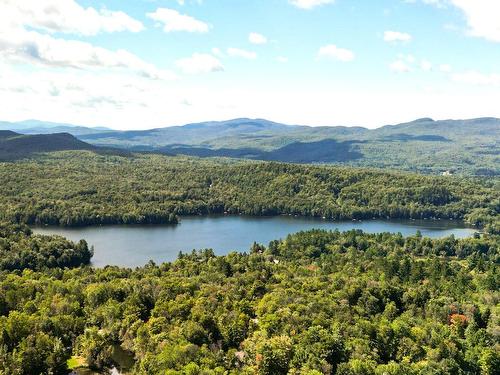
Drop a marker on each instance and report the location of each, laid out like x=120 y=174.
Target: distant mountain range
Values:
x=45 y=127
x=424 y=145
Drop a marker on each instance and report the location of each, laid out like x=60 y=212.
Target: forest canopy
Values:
x=21 y=249
x=315 y=302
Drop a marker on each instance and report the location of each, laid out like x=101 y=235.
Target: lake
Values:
x=135 y=245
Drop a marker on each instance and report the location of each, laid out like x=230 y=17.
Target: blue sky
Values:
x=149 y=63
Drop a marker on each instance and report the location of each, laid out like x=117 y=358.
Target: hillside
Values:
x=144 y=189
x=14 y=145
x=424 y=145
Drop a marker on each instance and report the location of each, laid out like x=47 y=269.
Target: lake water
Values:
x=135 y=245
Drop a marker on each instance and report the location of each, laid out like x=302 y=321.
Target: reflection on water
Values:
x=86 y=371
x=135 y=245
x=123 y=360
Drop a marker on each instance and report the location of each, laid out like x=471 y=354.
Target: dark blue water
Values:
x=131 y=246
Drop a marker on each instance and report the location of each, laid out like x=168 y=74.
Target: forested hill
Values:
x=424 y=145
x=14 y=145
x=155 y=189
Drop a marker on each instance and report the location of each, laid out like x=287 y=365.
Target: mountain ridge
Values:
x=470 y=146
x=231 y=123
x=33 y=126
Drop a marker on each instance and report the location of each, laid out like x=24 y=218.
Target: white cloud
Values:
x=437 y=3
x=45 y=50
x=477 y=78
x=426 y=65
x=406 y=63
x=333 y=52
x=445 y=68
x=256 y=38
x=217 y=52
x=26 y=29
x=309 y=4
x=237 y=52
x=200 y=63
x=400 y=66
x=282 y=59
x=482 y=16
x=183 y=2
x=396 y=36
x=174 y=21
x=408 y=58
x=64 y=16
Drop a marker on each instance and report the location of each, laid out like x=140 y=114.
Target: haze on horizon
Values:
x=147 y=64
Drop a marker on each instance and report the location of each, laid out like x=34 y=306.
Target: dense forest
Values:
x=20 y=249
x=314 y=303
x=82 y=188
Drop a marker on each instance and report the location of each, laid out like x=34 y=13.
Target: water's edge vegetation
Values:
x=133 y=245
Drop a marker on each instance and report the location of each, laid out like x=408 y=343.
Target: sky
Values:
x=151 y=63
